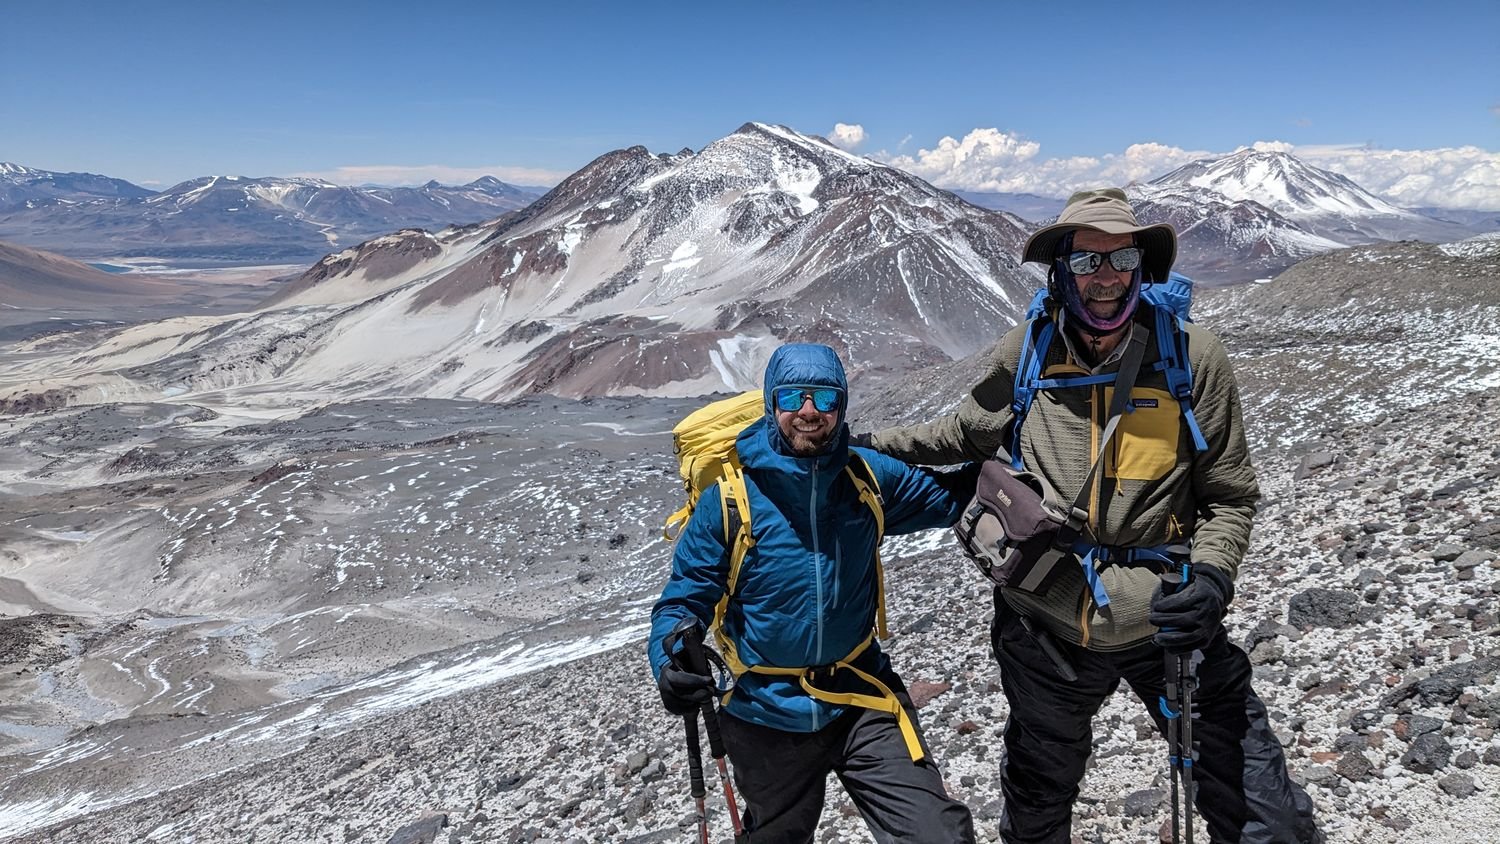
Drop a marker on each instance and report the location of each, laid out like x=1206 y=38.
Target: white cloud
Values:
x=1273 y=146
x=847 y=136
x=400 y=174
x=1455 y=177
x=996 y=161
x=992 y=160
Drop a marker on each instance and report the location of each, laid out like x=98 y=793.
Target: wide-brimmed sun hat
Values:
x=1106 y=210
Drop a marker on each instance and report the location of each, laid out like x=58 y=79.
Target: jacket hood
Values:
x=803 y=364
x=806 y=365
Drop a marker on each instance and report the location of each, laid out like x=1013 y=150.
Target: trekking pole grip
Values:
x=695 y=757
x=696 y=658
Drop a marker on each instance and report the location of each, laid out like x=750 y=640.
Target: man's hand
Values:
x=1189 y=617
x=682 y=692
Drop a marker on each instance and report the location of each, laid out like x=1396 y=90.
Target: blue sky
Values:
x=158 y=92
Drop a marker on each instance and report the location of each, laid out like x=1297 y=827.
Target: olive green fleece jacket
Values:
x=1153 y=488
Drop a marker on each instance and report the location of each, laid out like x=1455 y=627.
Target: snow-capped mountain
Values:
x=230 y=217
x=641 y=273
x=1222 y=240
x=22 y=187
x=1319 y=201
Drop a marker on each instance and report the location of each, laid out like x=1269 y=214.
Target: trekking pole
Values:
x=1177 y=707
x=697 y=661
x=1170 y=707
x=1187 y=682
x=687 y=629
x=695 y=775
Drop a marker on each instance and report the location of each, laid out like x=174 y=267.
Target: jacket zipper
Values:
x=838 y=555
x=812 y=512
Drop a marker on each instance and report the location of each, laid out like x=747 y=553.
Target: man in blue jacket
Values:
x=814 y=693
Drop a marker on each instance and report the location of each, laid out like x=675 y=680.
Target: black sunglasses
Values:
x=824 y=399
x=1083 y=262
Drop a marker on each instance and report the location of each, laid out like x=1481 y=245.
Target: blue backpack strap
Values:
x=1094 y=557
x=1172 y=344
x=1039 y=335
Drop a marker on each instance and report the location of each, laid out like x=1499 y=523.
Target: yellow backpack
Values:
x=704 y=444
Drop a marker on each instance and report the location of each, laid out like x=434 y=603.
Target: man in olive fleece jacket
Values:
x=1155 y=489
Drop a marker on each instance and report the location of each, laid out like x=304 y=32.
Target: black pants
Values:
x=781 y=777
x=1245 y=794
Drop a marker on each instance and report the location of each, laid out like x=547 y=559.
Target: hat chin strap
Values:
x=1063 y=286
x=1089 y=323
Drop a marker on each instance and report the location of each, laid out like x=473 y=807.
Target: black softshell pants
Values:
x=1245 y=794
x=781 y=777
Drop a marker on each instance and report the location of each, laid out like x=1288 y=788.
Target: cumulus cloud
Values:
x=399 y=174
x=847 y=136
x=1455 y=177
x=994 y=161
x=1273 y=146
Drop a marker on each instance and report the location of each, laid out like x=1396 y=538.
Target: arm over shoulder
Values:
x=918 y=498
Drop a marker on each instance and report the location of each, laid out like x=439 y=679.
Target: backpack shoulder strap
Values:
x=1172 y=344
x=734 y=506
x=1039 y=334
x=868 y=487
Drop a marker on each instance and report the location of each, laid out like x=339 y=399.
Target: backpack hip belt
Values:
x=885 y=701
x=1093 y=557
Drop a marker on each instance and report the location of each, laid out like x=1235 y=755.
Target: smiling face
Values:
x=807 y=430
x=1102 y=292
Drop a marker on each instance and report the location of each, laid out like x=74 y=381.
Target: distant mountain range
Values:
x=1027 y=206
x=1242 y=216
x=228 y=218
x=640 y=274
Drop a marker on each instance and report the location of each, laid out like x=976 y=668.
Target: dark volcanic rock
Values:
x=1458 y=785
x=420 y=832
x=1143 y=803
x=1444 y=686
x=1319 y=607
x=1427 y=754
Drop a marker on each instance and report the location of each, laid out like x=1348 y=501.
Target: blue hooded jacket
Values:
x=807 y=588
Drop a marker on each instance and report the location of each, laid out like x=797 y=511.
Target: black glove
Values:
x=682 y=692
x=1189 y=617
x=862 y=440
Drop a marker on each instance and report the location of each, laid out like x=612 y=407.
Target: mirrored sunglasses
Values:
x=1086 y=263
x=824 y=399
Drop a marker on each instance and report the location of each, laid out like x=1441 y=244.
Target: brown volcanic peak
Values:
x=30 y=278
x=381 y=258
